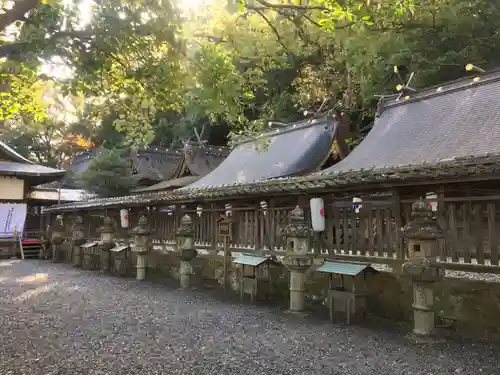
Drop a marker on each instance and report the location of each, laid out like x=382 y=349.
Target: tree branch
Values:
x=269 y=23
x=20 y=8
x=300 y=10
x=10 y=48
x=290 y=6
x=17 y=47
x=211 y=38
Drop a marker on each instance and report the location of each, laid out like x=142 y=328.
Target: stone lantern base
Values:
x=424 y=274
x=186 y=268
x=298 y=265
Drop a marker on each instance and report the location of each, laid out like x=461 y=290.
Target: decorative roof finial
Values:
x=474 y=69
x=185 y=227
x=186 y=220
x=423 y=225
x=142 y=228
x=297 y=215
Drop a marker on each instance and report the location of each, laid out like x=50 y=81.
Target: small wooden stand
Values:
x=120 y=259
x=253 y=270
x=340 y=299
x=90 y=255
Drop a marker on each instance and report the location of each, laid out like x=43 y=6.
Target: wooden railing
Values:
x=471 y=231
x=470 y=226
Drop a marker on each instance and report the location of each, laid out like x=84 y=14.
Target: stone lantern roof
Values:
x=422 y=226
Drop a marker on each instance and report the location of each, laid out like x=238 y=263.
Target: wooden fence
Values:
x=470 y=227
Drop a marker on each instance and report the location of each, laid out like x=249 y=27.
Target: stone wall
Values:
x=472 y=307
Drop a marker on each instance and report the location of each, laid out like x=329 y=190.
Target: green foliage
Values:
x=108 y=175
x=151 y=72
x=50 y=139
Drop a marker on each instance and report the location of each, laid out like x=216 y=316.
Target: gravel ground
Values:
x=57 y=320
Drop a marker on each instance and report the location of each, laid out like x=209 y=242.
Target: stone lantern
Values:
x=298 y=258
x=57 y=238
x=422 y=234
x=141 y=246
x=106 y=243
x=186 y=249
x=78 y=239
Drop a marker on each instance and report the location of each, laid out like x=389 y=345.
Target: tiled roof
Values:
x=13 y=155
x=174 y=183
x=149 y=163
x=201 y=160
x=486 y=166
x=43 y=174
x=458 y=119
x=155 y=165
x=17 y=165
x=442 y=134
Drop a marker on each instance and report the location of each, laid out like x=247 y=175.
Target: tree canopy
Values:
x=151 y=71
x=108 y=175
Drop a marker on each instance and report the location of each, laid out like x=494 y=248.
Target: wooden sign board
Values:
x=225 y=226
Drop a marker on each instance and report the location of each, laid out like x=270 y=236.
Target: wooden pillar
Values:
x=271 y=224
x=226 y=263
x=41 y=220
x=225 y=231
x=214 y=228
x=257 y=226
x=398 y=222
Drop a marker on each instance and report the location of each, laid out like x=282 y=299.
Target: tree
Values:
x=154 y=74
x=107 y=175
x=354 y=45
x=53 y=139
x=108 y=52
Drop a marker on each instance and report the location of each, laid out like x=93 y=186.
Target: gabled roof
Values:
x=153 y=164
x=156 y=165
x=298 y=149
x=440 y=134
x=8 y=153
x=472 y=168
x=453 y=120
x=149 y=164
x=14 y=164
x=196 y=159
x=203 y=159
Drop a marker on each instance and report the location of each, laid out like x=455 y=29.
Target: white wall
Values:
x=11 y=188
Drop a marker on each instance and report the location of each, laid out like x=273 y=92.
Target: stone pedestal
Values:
x=186 y=270
x=57 y=238
x=141 y=246
x=422 y=234
x=297 y=290
x=45 y=250
x=186 y=250
x=77 y=239
x=141 y=266
x=298 y=260
x=106 y=244
x=423 y=305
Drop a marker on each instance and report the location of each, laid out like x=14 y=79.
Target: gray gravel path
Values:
x=80 y=322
